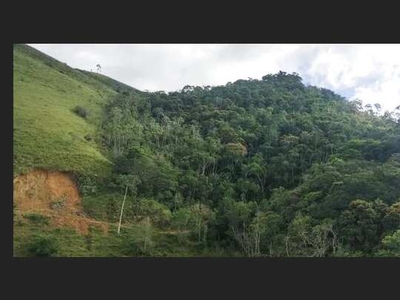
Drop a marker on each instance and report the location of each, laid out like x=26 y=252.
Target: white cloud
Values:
x=387 y=93
x=368 y=72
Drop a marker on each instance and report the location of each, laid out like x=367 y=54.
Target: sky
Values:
x=369 y=72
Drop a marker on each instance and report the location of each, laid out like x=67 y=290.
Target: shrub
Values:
x=181 y=218
x=87 y=185
x=158 y=213
x=140 y=240
x=36 y=218
x=81 y=111
x=56 y=205
x=43 y=246
x=89 y=137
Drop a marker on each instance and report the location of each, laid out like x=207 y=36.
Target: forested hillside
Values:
x=267 y=167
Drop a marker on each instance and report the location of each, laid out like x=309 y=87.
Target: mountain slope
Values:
x=267 y=167
x=47 y=133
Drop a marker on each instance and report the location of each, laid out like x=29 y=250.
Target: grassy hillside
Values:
x=114 y=84
x=47 y=133
x=34 y=231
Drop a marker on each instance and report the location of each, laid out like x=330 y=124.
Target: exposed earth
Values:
x=53 y=194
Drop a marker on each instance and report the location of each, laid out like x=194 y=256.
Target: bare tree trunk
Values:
x=122 y=210
x=287 y=246
x=270 y=249
x=334 y=242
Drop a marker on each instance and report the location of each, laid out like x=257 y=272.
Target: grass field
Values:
x=133 y=240
x=47 y=133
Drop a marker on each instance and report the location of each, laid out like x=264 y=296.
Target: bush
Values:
x=196 y=218
x=81 y=111
x=36 y=218
x=158 y=213
x=181 y=218
x=88 y=137
x=43 y=247
x=87 y=185
x=140 y=240
x=56 y=205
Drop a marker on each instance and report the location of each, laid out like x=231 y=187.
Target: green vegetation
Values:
x=117 y=86
x=142 y=239
x=47 y=134
x=266 y=167
x=82 y=112
x=43 y=246
x=36 y=218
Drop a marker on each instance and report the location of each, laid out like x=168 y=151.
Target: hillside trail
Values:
x=55 y=195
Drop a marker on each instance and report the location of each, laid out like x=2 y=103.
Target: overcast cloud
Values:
x=367 y=72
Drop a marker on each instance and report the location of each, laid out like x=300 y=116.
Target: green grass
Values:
x=69 y=242
x=97 y=243
x=36 y=218
x=47 y=133
x=114 y=84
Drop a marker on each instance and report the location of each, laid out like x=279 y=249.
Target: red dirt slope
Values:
x=55 y=195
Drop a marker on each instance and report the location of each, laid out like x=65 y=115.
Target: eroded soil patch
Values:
x=55 y=195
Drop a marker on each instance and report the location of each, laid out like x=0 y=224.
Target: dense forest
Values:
x=265 y=167
x=268 y=167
